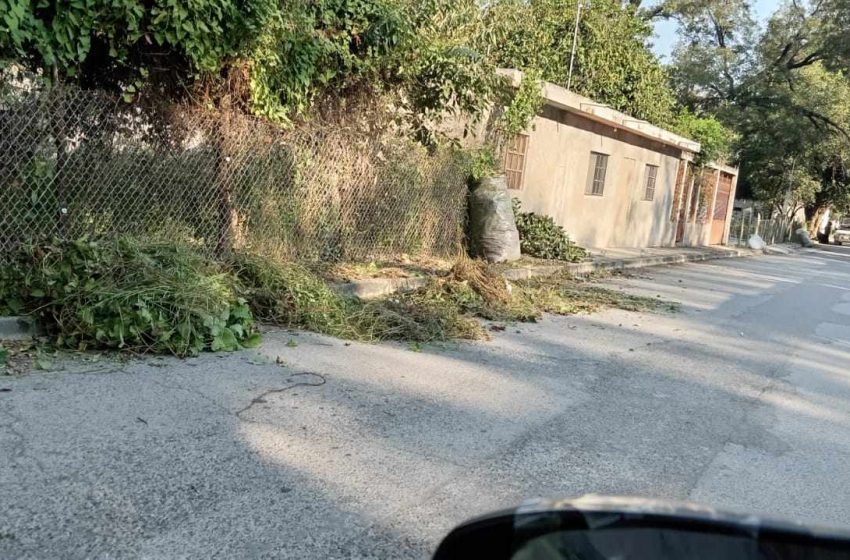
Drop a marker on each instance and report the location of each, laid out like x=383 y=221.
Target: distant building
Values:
x=614 y=181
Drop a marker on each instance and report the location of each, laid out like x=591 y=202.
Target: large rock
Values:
x=492 y=228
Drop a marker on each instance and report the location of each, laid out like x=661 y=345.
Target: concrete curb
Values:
x=370 y=288
x=15 y=328
x=581 y=269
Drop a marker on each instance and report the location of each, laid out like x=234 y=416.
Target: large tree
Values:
x=613 y=63
x=783 y=89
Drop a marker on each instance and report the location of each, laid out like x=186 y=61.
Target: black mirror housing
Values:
x=599 y=528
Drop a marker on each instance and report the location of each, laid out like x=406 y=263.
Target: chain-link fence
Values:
x=75 y=163
x=746 y=224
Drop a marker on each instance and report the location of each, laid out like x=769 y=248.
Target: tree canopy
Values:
x=783 y=89
x=440 y=55
x=613 y=63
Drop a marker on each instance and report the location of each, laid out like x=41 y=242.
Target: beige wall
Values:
x=556 y=173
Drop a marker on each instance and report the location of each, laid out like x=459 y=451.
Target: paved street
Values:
x=741 y=400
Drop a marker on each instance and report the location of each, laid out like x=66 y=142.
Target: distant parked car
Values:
x=841 y=233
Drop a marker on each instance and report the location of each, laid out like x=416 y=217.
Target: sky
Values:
x=666 y=30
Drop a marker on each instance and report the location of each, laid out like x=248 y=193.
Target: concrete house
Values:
x=614 y=181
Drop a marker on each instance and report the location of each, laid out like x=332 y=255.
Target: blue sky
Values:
x=666 y=30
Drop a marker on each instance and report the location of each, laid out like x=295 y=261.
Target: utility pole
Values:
x=575 y=39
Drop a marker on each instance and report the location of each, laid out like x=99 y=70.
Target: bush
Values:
x=128 y=294
x=540 y=236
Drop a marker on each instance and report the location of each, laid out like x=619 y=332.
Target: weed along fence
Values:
x=76 y=163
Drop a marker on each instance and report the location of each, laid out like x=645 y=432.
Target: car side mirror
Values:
x=597 y=528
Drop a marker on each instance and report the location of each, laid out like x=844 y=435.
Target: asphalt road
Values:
x=741 y=400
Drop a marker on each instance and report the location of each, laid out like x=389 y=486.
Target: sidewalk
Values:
x=626 y=258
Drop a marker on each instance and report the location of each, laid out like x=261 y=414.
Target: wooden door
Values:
x=721 y=208
x=680 y=204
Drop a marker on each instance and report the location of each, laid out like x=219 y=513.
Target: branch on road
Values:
x=262 y=397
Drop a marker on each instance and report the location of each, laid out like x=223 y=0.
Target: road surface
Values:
x=741 y=400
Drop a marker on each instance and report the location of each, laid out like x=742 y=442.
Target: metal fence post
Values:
x=741 y=234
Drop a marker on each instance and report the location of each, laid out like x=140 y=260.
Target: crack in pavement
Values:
x=295 y=383
x=19 y=446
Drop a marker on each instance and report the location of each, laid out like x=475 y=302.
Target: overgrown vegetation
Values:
x=524 y=105
x=129 y=295
x=286 y=59
x=160 y=297
x=541 y=237
x=448 y=307
x=715 y=139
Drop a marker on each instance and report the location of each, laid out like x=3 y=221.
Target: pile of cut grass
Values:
x=292 y=296
x=127 y=294
x=448 y=307
x=562 y=294
x=150 y=296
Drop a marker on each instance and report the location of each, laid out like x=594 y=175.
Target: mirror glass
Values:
x=667 y=544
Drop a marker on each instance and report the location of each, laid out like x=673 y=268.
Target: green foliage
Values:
x=540 y=236
x=482 y=164
x=436 y=57
x=290 y=295
x=309 y=48
x=107 y=42
x=128 y=294
x=524 y=105
x=338 y=48
x=613 y=63
x=714 y=138
x=782 y=89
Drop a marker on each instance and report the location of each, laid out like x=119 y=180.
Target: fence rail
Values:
x=75 y=162
x=744 y=225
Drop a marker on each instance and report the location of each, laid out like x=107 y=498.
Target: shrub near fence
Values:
x=76 y=163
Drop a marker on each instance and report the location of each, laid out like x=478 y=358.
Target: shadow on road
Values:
x=236 y=456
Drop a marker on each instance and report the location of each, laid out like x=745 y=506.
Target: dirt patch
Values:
x=17 y=357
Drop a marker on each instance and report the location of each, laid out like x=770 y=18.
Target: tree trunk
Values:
x=813 y=218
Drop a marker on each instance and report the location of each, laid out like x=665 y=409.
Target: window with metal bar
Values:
x=596 y=174
x=649 y=183
x=515 y=161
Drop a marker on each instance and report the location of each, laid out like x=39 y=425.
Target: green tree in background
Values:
x=613 y=63
x=783 y=90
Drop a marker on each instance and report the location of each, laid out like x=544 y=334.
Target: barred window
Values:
x=596 y=174
x=649 y=184
x=515 y=161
